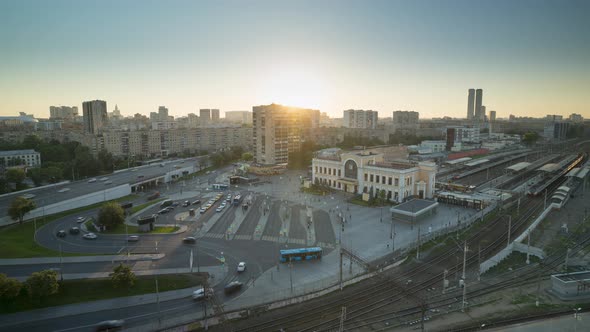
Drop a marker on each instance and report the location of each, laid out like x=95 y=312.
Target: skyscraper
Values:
x=214 y=115
x=478 y=103
x=163 y=113
x=482 y=114
x=360 y=119
x=204 y=116
x=492 y=116
x=470 y=104
x=95 y=115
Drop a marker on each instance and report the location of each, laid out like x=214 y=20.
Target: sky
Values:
x=530 y=57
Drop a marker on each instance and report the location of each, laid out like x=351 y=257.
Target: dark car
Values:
x=110 y=325
x=186 y=203
x=61 y=233
x=175 y=204
x=74 y=230
x=189 y=240
x=232 y=287
x=198 y=201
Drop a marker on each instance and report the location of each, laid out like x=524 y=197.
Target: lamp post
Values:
x=509 y=228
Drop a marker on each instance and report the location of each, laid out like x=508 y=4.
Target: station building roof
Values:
x=518 y=167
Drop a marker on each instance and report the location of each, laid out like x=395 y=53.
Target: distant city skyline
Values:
x=530 y=57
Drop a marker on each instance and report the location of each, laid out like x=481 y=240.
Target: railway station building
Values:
x=359 y=172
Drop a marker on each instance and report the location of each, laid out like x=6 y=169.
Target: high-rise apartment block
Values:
x=65 y=113
x=470 y=104
x=482 y=114
x=277 y=131
x=458 y=135
x=243 y=117
x=576 y=118
x=163 y=113
x=492 y=116
x=360 y=119
x=95 y=115
x=204 y=117
x=406 y=122
x=214 y=115
x=478 y=103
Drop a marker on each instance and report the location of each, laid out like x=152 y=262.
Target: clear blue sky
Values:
x=531 y=57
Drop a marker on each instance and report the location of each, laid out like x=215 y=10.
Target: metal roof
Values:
x=519 y=166
x=458 y=161
x=573 y=172
x=477 y=162
x=582 y=173
x=551 y=167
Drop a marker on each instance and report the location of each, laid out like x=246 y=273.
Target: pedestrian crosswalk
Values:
x=243 y=237
x=215 y=235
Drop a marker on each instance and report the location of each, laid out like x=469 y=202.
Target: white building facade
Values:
x=30 y=158
x=358 y=172
x=360 y=119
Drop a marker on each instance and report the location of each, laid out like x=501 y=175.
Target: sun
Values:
x=293 y=86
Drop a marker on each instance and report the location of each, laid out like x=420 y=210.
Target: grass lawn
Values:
x=84 y=290
x=144 y=205
x=17 y=240
x=120 y=229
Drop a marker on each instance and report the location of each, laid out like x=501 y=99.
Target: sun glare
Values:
x=293 y=86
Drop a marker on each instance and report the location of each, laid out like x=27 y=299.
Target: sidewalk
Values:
x=216 y=273
x=79 y=259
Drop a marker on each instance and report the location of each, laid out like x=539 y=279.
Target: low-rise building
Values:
x=29 y=158
x=367 y=172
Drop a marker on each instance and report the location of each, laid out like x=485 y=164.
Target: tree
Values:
x=123 y=277
x=247 y=156
x=111 y=215
x=19 y=207
x=381 y=196
x=530 y=138
x=15 y=175
x=32 y=142
x=9 y=288
x=42 y=284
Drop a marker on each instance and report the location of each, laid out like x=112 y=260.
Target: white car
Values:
x=219 y=209
x=90 y=236
x=241 y=267
x=104 y=179
x=202 y=293
x=92 y=180
x=80 y=220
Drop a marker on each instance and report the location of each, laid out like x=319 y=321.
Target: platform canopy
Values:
x=518 y=167
x=549 y=168
x=477 y=162
x=573 y=172
x=458 y=161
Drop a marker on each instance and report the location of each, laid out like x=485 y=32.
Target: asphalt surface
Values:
x=324 y=231
x=248 y=226
x=273 y=226
x=227 y=217
x=296 y=230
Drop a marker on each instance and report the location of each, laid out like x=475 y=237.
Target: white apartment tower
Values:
x=360 y=119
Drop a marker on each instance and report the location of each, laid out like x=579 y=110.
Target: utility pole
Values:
x=418 y=246
x=509 y=228
x=291 y=274
x=464 y=259
x=478 y=262
x=545 y=200
x=393 y=239
x=342 y=319
x=464 y=295
x=528 y=247
x=341 y=269
x=567 y=256
x=445 y=281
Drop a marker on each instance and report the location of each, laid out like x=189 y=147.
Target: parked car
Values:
x=202 y=293
x=241 y=267
x=90 y=236
x=74 y=230
x=80 y=220
x=202 y=210
x=61 y=233
x=186 y=203
x=133 y=238
x=198 y=201
x=110 y=325
x=219 y=209
x=189 y=240
x=232 y=287
x=92 y=180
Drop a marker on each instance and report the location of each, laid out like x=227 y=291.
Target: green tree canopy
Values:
x=247 y=156
x=42 y=284
x=530 y=138
x=19 y=207
x=9 y=288
x=111 y=214
x=123 y=277
x=15 y=175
